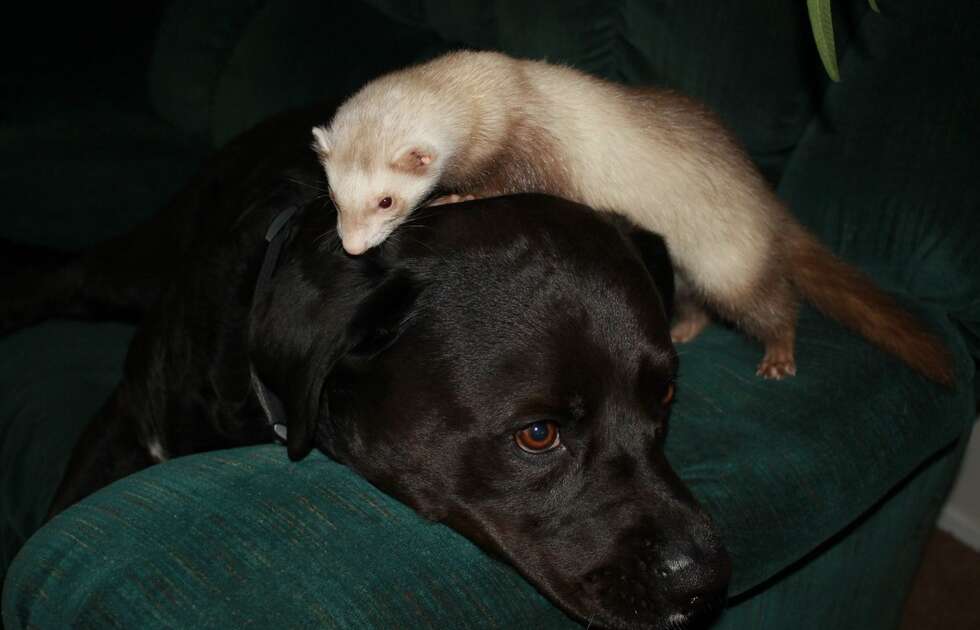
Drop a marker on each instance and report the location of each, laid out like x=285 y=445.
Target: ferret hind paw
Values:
x=689 y=325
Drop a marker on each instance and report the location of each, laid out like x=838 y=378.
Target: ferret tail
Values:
x=845 y=294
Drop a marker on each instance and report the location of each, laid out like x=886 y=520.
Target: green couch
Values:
x=823 y=486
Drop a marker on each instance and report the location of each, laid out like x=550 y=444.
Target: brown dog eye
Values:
x=385 y=203
x=538 y=437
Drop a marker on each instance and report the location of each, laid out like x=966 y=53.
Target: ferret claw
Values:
x=776 y=368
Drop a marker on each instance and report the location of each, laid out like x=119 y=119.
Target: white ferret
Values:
x=485 y=124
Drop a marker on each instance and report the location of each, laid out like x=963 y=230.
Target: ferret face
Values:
x=370 y=204
x=373 y=194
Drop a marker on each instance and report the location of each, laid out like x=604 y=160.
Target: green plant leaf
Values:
x=823 y=33
x=874 y=6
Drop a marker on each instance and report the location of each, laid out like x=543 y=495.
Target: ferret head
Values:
x=373 y=188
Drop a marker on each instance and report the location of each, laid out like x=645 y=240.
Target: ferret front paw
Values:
x=438 y=201
x=777 y=363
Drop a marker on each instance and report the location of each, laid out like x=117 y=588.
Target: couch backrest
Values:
x=883 y=166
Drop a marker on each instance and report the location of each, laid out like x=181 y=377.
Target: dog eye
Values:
x=385 y=203
x=668 y=395
x=538 y=437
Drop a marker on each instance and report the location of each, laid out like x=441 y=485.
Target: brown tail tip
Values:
x=848 y=296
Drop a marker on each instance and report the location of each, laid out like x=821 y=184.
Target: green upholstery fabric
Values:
x=895 y=145
x=110 y=170
x=782 y=467
x=313 y=546
x=219 y=68
x=71 y=60
x=194 y=44
x=83 y=155
x=858 y=578
x=53 y=377
x=761 y=83
x=823 y=486
x=894 y=142
x=317 y=547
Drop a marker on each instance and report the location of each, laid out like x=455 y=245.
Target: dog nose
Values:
x=679 y=584
x=690 y=584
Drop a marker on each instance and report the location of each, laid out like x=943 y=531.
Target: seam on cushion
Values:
x=808 y=129
x=617 y=41
x=220 y=73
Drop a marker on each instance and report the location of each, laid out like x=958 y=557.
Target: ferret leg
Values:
x=690 y=316
x=454 y=198
x=771 y=318
x=689 y=323
x=778 y=361
x=767 y=312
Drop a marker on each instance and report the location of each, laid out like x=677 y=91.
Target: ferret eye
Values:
x=385 y=203
x=538 y=437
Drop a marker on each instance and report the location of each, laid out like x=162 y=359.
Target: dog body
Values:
x=505 y=368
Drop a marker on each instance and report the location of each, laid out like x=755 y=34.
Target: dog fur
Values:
x=415 y=365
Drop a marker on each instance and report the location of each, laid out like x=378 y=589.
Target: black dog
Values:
x=503 y=366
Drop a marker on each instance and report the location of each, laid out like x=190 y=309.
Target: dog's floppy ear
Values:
x=376 y=324
x=380 y=318
x=656 y=258
x=303 y=411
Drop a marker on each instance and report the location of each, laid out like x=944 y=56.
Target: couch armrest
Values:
x=245 y=538
x=219 y=68
x=886 y=173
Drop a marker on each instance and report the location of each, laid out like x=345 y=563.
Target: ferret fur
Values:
x=487 y=124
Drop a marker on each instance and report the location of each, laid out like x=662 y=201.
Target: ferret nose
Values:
x=354 y=248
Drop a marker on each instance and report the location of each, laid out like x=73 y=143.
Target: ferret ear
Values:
x=322 y=142
x=416 y=159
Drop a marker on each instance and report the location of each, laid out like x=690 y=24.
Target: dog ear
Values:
x=655 y=255
x=376 y=324
x=380 y=318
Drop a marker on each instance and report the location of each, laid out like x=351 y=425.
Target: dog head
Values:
x=505 y=366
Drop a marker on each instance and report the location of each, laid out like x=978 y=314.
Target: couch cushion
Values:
x=80 y=177
x=750 y=60
x=220 y=68
x=244 y=538
x=881 y=165
x=53 y=378
x=244 y=535
x=784 y=466
x=82 y=57
x=886 y=173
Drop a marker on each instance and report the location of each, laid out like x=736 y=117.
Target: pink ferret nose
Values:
x=354 y=247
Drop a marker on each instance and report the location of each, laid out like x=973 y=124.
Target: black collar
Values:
x=275 y=238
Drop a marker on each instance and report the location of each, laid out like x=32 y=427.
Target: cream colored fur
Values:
x=487 y=124
x=618 y=153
